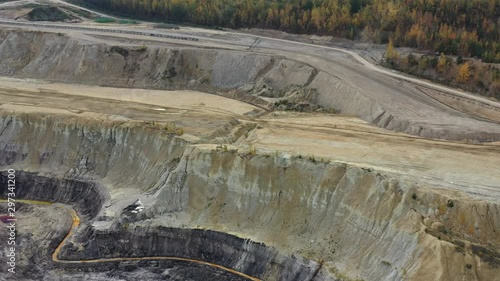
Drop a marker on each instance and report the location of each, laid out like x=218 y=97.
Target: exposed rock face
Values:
x=59 y=58
x=87 y=197
x=243 y=255
x=248 y=76
x=358 y=222
x=219 y=248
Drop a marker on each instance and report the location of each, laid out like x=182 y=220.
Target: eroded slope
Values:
x=403 y=228
x=259 y=76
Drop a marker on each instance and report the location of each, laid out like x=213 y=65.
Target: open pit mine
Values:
x=138 y=154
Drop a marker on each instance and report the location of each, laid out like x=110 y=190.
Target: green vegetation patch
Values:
x=123 y=21
x=468 y=74
x=465 y=28
x=173 y=129
x=46 y=13
x=32 y=6
x=166 y=26
x=112 y=20
x=27 y=6
x=119 y=50
x=105 y=20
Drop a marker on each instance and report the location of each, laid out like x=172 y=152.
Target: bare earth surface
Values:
x=187 y=109
x=345 y=80
x=408 y=172
x=433 y=169
x=452 y=166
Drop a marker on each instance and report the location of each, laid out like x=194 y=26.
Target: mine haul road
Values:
x=439 y=166
x=351 y=53
x=383 y=97
x=199 y=33
x=74 y=227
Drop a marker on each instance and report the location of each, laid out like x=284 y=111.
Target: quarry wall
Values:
x=252 y=77
x=353 y=221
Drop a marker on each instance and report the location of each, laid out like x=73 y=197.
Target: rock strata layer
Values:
x=353 y=221
x=259 y=78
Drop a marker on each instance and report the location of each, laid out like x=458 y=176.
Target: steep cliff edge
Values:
x=259 y=78
x=356 y=222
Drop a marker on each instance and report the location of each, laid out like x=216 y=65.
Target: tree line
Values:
x=469 y=28
x=468 y=74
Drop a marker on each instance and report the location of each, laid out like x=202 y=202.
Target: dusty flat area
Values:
x=418 y=205
x=345 y=81
x=401 y=173
x=174 y=99
x=198 y=113
x=472 y=168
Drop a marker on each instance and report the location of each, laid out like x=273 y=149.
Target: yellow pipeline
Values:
x=76 y=224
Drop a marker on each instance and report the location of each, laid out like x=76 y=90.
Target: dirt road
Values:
x=211 y=119
x=345 y=80
x=356 y=56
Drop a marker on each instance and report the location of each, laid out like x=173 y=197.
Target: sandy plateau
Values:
x=345 y=139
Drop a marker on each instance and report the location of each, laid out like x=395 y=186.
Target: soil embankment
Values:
x=316 y=210
x=259 y=78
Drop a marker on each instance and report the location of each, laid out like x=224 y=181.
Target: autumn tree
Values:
x=463 y=73
x=390 y=53
x=441 y=64
x=454 y=27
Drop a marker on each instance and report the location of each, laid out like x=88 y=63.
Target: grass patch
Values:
x=286 y=105
x=166 y=26
x=312 y=158
x=252 y=151
x=32 y=6
x=112 y=20
x=119 y=50
x=142 y=48
x=170 y=127
x=386 y=263
x=26 y=6
x=46 y=13
x=123 y=21
x=104 y=20
x=173 y=129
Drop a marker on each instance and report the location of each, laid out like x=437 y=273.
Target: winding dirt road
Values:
x=353 y=54
x=257 y=38
x=344 y=80
x=373 y=67
x=74 y=227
